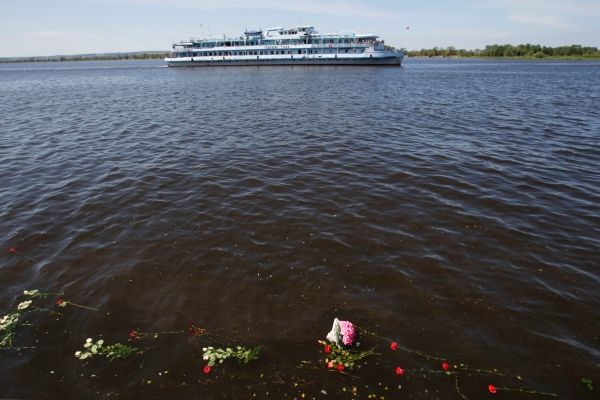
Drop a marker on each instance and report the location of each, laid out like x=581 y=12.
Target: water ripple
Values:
x=453 y=203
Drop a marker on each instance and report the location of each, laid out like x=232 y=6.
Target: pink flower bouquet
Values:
x=343 y=333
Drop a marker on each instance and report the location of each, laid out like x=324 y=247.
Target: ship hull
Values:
x=362 y=61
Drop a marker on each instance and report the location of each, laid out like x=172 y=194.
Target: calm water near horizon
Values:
x=452 y=206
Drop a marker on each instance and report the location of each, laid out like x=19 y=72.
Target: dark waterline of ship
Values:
x=451 y=206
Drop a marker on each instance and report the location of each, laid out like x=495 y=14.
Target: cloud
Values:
x=48 y=34
x=547 y=15
x=548 y=21
x=352 y=8
x=549 y=8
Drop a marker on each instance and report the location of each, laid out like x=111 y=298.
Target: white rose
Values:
x=24 y=305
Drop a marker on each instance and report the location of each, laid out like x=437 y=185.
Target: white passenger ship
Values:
x=278 y=46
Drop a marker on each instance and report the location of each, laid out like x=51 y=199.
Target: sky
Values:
x=53 y=27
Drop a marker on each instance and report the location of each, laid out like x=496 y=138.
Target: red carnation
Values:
x=340 y=367
x=399 y=371
x=445 y=366
x=327 y=349
x=394 y=346
x=196 y=331
x=12 y=250
x=330 y=364
x=492 y=389
x=207 y=369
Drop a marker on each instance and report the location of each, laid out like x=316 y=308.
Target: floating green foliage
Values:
x=346 y=357
x=8 y=323
x=112 y=352
x=241 y=354
x=588 y=383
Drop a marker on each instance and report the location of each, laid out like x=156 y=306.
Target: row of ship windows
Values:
x=265 y=52
x=284 y=42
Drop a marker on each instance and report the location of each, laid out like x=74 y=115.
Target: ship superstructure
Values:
x=302 y=45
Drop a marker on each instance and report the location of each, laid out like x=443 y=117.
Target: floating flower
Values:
x=394 y=346
x=348 y=332
x=12 y=250
x=207 y=369
x=399 y=371
x=343 y=333
x=194 y=330
x=24 y=305
x=445 y=366
x=63 y=303
x=112 y=352
x=340 y=367
x=133 y=335
x=327 y=349
x=492 y=389
x=8 y=320
x=241 y=354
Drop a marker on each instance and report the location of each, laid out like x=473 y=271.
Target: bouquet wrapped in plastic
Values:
x=343 y=333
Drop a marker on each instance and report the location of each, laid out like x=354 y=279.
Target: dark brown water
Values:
x=451 y=206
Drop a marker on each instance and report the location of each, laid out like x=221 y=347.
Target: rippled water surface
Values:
x=451 y=206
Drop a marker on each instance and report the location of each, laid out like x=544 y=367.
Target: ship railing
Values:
x=281 y=46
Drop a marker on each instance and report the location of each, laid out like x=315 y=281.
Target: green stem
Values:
x=80 y=306
x=366 y=332
x=458 y=389
x=506 y=389
x=343 y=373
x=482 y=371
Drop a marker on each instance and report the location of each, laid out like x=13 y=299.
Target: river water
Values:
x=450 y=206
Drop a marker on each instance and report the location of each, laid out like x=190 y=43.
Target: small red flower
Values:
x=445 y=366
x=207 y=369
x=399 y=371
x=394 y=346
x=327 y=349
x=196 y=331
x=492 y=389
x=60 y=302
x=340 y=367
x=330 y=364
x=133 y=335
x=12 y=250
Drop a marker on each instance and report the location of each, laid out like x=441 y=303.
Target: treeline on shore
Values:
x=511 y=51
x=146 y=55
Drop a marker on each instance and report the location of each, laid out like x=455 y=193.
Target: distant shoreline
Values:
x=527 y=51
x=524 y=58
x=140 y=55
x=160 y=57
x=494 y=52
x=22 y=60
